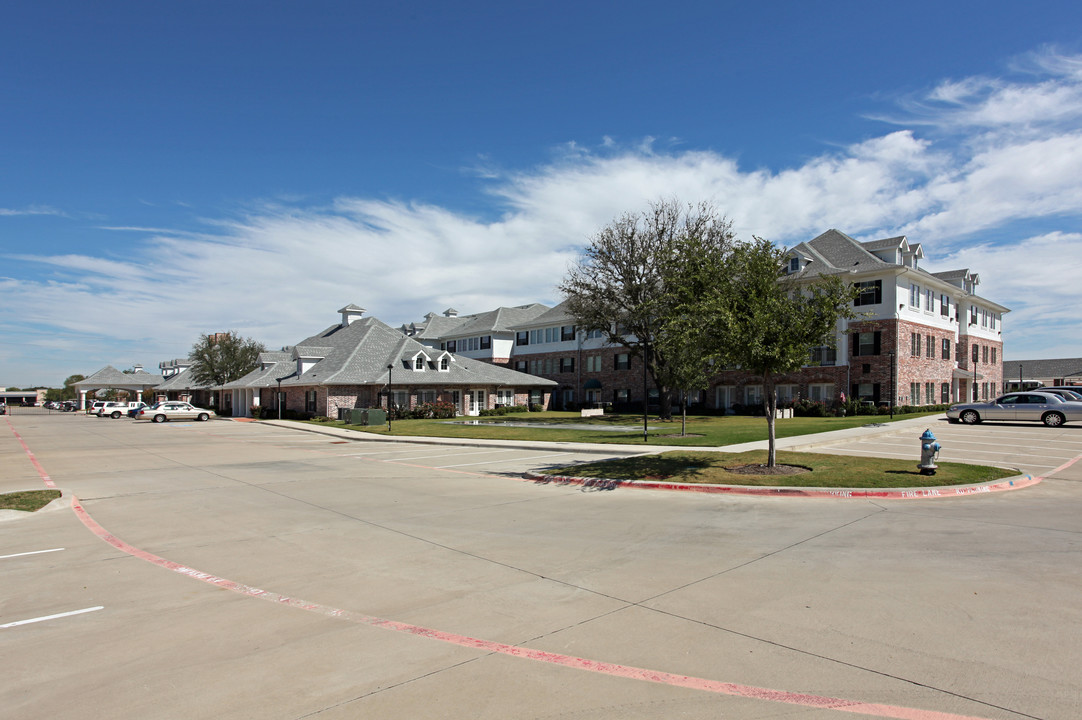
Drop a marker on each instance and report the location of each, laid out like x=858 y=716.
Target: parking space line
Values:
x=51 y=617
x=32 y=552
x=493 y=462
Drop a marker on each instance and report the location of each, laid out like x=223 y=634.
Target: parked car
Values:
x=134 y=408
x=174 y=410
x=94 y=407
x=1044 y=407
x=1063 y=393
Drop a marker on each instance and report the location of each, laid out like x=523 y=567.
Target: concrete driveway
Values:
x=236 y=570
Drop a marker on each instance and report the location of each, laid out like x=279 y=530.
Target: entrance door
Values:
x=475 y=400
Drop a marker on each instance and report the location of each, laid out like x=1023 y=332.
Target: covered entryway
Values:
x=137 y=382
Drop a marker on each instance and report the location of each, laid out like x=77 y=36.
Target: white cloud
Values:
x=279 y=271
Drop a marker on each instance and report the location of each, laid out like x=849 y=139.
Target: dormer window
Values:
x=445 y=364
x=419 y=362
x=794 y=265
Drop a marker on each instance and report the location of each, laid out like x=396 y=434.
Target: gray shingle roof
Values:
x=272 y=365
x=1037 y=369
x=500 y=320
x=110 y=377
x=181 y=381
x=359 y=353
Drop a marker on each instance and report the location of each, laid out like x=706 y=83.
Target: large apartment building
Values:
x=918 y=338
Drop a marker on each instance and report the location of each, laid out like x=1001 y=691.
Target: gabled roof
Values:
x=552 y=316
x=110 y=377
x=272 y=365
x=181 y=381
x=500 y=320
x=359 y=353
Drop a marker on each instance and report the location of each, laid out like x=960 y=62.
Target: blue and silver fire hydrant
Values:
x=929 y=451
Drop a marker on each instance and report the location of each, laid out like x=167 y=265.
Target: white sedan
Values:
x=174 y=410
x=1050 y=409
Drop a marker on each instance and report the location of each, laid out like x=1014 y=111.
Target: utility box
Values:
x=367 y=416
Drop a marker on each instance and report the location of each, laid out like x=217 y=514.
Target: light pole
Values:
x=1020 y=377
x=645 y=396
x=279 y=398
x=892 y=384
x=390 y=366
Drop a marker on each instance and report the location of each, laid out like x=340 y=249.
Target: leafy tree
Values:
x=767 y=322
x=69 y=392
x=223 y=357
x=621 y=284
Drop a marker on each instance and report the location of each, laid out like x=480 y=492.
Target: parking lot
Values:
x=230 y=570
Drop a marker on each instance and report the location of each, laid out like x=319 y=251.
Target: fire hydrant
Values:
x=929 y=451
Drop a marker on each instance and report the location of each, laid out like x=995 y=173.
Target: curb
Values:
x=946 y=491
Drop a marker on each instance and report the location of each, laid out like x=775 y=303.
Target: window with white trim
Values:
x=914 y=296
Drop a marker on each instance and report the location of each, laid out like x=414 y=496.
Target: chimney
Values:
x=350 y=313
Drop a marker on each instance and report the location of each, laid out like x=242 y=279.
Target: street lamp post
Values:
x=891 y=384
x=279 y=398
x=1020 y=376
x=645 y=397
x=390 y=366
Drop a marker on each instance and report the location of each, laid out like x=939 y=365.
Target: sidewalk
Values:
x=797 y=443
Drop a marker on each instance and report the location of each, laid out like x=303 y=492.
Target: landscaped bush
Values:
x=505 y=410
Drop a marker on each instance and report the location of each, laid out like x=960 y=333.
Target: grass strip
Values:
x=28 y=500
x=702 y=430
x=826 y=471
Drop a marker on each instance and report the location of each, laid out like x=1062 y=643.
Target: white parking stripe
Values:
x=493 y=462
x=32 y=552
x=51 y=617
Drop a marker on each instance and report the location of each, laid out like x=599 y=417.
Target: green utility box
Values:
x=367 y=416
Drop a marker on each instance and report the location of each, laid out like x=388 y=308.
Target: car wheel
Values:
x=970 y=417
x=115 y=415
x=159 y=418
x=1053 y=419
x=203 y=417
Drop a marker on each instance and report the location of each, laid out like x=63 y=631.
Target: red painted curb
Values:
x=899 y=494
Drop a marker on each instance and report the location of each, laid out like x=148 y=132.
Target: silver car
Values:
x=174 y=410
x=1050 y=409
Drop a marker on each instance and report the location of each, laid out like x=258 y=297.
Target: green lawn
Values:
x=29 y=500
x=828 y=471
x=703 y=430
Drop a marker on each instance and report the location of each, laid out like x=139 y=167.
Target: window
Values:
x=522 y=366
x=984 y=354
x=505 y=397
x=621 y=396
x=786 y=393
x=594 y=334
x=310 y=401
x=945 y=393
x=452 y=346
x=567 y=332
x=976 y=352
x=866 y=343
x=486 y=342
x=824 y=355
x=522 y=337
x=914 y=297
x=794 y=265
x=622 y=361
x=929 y=393
x=399 y=398
x=929 y=347
x=567 y=365
x=929 y=298
x=914 y=393
x=946 y=350
x=820 y=392
x=426 y=396
x=593 y=363
x=419 y=362
x=914 y=344
x=944 y=305
x=993 y=356
x=871 y=293
x=753 y=395
x=445 y=364
x=972 y=314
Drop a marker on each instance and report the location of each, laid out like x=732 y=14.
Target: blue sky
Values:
x=168 y=170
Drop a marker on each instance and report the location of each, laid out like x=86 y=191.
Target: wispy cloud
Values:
x=30 y=210
x=976 y=156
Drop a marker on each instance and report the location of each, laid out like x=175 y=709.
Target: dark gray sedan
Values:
x=1050 y=409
